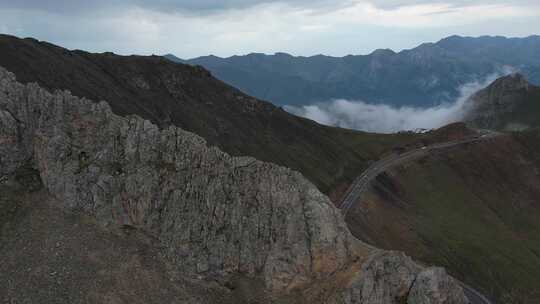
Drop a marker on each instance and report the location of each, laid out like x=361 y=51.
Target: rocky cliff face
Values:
x=214 y=215
x=509 y=103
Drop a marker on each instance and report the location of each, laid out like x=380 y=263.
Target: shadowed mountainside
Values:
x=189 y=97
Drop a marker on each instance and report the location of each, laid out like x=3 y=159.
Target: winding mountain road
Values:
x=474 y=296
x=363 y=181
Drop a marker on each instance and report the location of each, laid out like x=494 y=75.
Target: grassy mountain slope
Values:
x=423 y=76
x=189 y=97
x=474 y=210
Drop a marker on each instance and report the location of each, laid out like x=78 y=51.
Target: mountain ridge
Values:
x=424 y=76
x=189 y=97
x=510 y=103
x=212 y=215
x=442 y=40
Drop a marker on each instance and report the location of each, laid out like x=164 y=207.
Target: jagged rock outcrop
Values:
x=509 y=103
x=386 y=278
x=433 y=285
x=189 y=97
x=214 y=214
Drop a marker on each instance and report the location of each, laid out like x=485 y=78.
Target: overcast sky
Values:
x=190 y=28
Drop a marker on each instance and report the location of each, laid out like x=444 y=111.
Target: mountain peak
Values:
x=451 y=38
x=172 y=57
x=509 y=103
x=383 y=52
x=282 y=54
x=514 y=81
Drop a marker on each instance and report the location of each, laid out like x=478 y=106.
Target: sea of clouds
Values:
x=383 y=118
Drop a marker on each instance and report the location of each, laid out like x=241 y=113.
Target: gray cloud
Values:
x=209 y=6
x=185 y=6
x=191 y=28
x=54 y=6
x=396 y=3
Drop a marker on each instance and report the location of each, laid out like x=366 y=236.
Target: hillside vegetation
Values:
x=473 y=209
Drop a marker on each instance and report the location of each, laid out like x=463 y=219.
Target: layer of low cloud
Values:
x=190 y=28
x=383 y=118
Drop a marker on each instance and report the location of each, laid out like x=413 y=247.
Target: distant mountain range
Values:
x=429 y=74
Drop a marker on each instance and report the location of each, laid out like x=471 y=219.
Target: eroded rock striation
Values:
x=214 y=214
